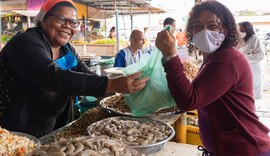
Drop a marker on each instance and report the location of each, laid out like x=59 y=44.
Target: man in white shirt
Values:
x=132 y=53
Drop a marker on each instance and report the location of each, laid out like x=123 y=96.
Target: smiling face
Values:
x=59 y=34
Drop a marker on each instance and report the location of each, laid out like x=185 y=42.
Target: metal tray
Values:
x=144 y=149
x=30 y=137
x=168 y=117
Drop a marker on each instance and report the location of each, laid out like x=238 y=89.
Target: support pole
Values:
x=149 y=21
x=28 y=21
x=84 y=28
x=131 y=24
x=131 y=18
x=116 y=26
x=105 y=27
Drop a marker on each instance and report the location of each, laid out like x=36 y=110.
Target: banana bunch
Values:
x=5 y=38
x=107 y=41
x=79 y=42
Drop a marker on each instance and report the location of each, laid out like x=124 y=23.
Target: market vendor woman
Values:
x=40 y=70
x=222 y=90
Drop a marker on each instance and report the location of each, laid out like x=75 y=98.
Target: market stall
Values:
x=153 y=134
x=101 y=11
x=13 y=22
x=75 y=138
x=111 y=127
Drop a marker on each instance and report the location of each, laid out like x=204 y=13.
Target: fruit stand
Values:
x=99 y=47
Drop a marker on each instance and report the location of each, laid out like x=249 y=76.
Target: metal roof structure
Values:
x=97 y=9
x=7 y=5
x=125 y=7
x=104 y=9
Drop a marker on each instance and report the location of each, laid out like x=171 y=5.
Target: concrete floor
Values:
x=263 y=105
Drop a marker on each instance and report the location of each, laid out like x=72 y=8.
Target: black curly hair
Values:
x=248 y=29
x=226 y=22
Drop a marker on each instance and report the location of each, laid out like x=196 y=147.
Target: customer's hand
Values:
x=129 y=84
x=165 y=42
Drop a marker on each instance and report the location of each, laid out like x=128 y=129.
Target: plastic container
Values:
x=105 y=64
x=186 y=133
x=180 y=128
x=95 y=69
x=86 y=103
x=193 y=135
x=192 y=113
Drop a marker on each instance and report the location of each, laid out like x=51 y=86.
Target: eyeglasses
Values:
x=214 y=26
x=62 y=20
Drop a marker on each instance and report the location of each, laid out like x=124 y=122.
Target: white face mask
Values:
x=242 y=34
x=208 y=41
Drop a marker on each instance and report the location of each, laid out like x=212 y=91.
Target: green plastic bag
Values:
x=155 y=95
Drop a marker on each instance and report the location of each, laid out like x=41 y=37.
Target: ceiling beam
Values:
x=12 y=2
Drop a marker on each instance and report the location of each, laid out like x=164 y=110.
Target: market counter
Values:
x=177 y=149
x=98 y=49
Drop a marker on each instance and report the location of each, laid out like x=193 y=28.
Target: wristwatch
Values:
x=167 y=58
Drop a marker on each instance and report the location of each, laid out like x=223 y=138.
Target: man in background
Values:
x=132 y=53
x=170 y=21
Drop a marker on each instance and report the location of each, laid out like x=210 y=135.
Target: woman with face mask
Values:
x=252 y=49
x=222 y=90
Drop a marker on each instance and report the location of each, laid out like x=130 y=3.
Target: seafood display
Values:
x=133 y=131
x=86 y=146
x=77 y=128
x=156 y=133
x=12 y=144
x=98 y=133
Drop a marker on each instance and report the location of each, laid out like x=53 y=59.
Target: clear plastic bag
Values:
x=155 y=95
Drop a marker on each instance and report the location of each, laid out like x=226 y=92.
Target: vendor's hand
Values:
x=165 y=42
x=129 y=84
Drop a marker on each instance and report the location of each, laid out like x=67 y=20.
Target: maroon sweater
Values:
x=222 y=93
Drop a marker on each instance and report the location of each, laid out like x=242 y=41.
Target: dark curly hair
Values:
x=168 y=21
x=227 y=23
x=248 y=29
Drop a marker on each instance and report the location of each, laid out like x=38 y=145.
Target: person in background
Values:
x=170 y=21
x=222 y=90
x=132 y=53
x=40 y=70
x=252 y=49
x=112 y=33
x=146 y=32
x=181 y=38
x=147 y=41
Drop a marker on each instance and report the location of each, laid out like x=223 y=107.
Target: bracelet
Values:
x=167 y=58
